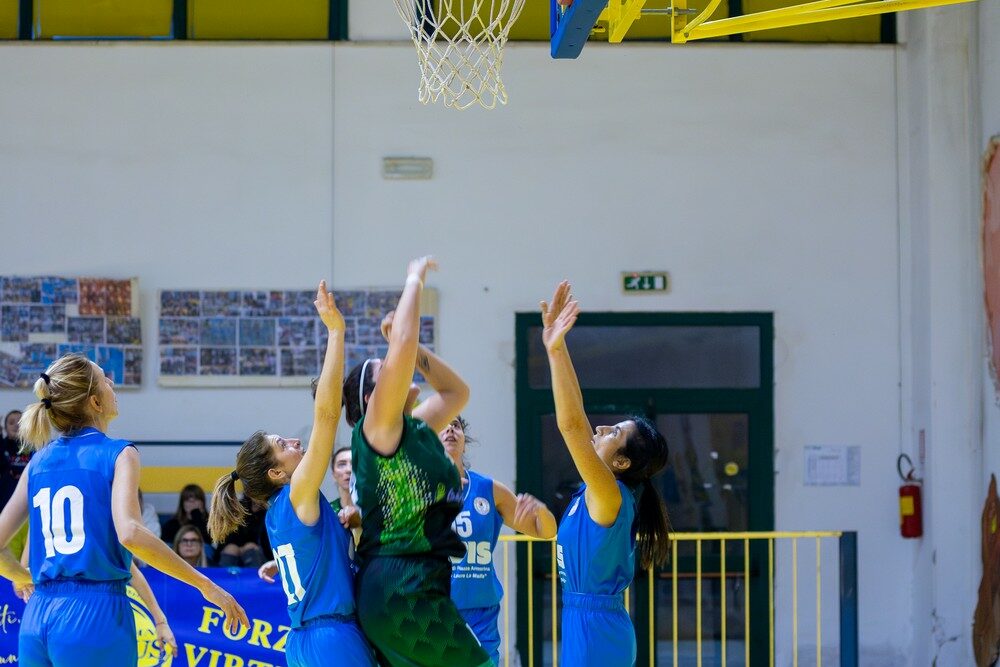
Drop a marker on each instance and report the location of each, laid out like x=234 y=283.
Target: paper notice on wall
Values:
x=833 y=465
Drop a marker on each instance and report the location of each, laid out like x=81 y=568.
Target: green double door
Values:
x=705 y=379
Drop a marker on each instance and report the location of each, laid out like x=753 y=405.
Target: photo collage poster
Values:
x=268 y=337
x=45 y=317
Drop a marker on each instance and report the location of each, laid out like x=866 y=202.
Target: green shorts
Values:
x=406 y=611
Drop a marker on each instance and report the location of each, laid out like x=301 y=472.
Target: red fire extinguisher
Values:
x=911 y=515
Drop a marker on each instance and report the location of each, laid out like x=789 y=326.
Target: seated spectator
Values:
x=190 y=545
x=149 y=517
x=191 y=509
x=12 y=461
x=249 y=544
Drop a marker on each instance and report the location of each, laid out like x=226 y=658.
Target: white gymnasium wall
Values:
x=763 y=178
x=989 y=87
x=942 y=285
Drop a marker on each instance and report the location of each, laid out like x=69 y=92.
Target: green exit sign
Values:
x=645 y=282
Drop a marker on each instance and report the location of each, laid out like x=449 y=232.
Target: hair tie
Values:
x=361 y=388
x=47 y=402
x=45 y=377
x=234 y=476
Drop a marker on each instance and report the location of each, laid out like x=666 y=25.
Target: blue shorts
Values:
x=320 y=640
x=484 y=624
x=78 y=624
x=596 y=632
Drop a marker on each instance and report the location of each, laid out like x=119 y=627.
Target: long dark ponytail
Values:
x=647 y=452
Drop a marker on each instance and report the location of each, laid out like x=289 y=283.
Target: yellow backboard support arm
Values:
x=621 y=14
x=812 y=12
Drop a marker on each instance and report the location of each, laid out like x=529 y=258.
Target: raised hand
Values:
x=327 y=309
x=420 y=266
x=558 y=317
x=235 y=616
x=268 y=571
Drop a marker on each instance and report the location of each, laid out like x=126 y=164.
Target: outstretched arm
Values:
x=524 y=513
x=451 y=392
x=138 y=539
x=602 y=494
x=308 y=476
x=383 y=426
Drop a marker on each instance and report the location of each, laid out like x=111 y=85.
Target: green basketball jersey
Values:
x=408 y=500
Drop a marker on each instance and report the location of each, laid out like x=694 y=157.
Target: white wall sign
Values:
x=833 y=465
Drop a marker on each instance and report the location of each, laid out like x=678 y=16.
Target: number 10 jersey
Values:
x=69 y=502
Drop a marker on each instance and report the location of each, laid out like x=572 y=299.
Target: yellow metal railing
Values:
x=722 y=539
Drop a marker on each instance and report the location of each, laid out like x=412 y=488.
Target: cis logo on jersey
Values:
x=482 y=505
x=150 y=653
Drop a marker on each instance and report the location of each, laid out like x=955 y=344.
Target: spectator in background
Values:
x=12 y=461
x=189 y=544
x=247 y=546
x=149 y=516
x=191 y=509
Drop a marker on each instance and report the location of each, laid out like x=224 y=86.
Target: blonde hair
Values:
x=63 y=392
x=254 y=460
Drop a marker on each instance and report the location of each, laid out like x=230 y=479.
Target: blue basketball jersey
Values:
x=69 y=501
x=593 y=559
x=474 y=581
x=314 y=561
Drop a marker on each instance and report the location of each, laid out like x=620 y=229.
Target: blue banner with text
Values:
x=202 y=639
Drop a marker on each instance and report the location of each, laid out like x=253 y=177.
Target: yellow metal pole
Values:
x=819 y=625
x=755 y=535
x=698 y=20
x=722 y=546
x=697 y=598
x=555 y=613
x=770 y=597
x=795 y=602
x=678 y=21
x=628 y=609
x=792 y=10
x=506 y=609
x=531 y=605
x=746 y=602
x=673 y=597
x=630 y=11
x=652 y=622
x=752 y=22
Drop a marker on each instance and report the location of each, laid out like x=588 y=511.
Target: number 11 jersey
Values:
x=314 y=561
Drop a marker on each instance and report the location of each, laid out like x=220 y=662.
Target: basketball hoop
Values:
x=460 y=48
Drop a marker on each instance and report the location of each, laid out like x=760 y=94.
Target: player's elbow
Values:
x=128 y=534
x=458 y=395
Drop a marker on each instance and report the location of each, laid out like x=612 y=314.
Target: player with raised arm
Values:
x=310 y=546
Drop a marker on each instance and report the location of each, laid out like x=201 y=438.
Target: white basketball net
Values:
x=460 y=48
